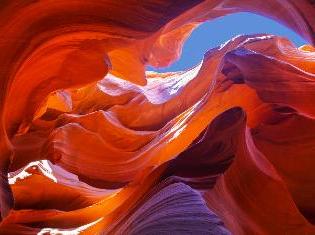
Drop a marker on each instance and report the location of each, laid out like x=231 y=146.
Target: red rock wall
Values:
x=92 y=143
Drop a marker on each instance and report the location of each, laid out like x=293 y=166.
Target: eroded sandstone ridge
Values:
x=91 y=143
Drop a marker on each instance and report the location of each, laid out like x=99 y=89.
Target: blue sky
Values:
x=215 y=32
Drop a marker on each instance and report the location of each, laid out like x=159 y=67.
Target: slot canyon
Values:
x=91 y=142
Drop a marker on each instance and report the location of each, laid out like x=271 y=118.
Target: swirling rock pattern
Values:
x=91 y=143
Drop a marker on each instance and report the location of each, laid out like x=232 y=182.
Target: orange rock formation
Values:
x=91 y=143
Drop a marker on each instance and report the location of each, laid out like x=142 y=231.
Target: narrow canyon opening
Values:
x=213 y=33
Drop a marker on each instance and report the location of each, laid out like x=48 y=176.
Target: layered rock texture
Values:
x=91 y=143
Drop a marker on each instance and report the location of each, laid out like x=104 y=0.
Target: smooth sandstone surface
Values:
x=91 y=143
